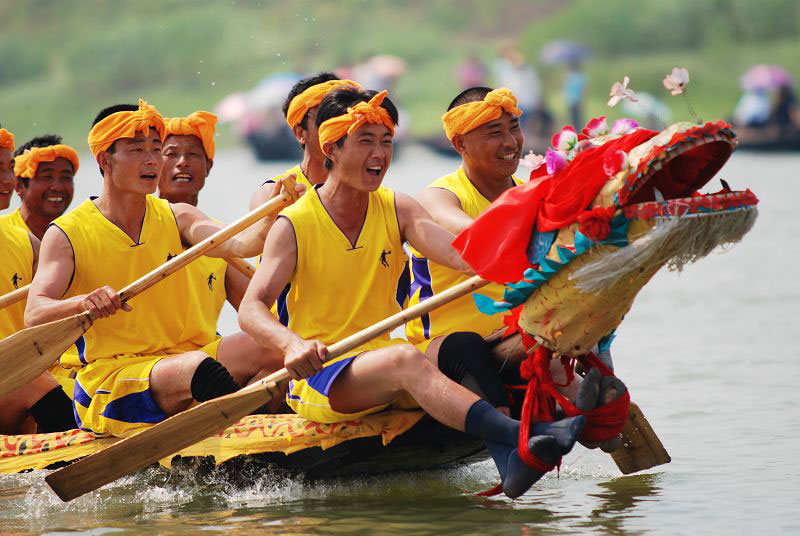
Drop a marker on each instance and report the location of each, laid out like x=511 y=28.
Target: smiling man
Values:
x=43 y=398
x=332 y=262
x=483 y=126
x=137 y=367
x=45 y=169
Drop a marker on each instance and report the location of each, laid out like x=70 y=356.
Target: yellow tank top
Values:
x=429 y=278
x=338 y=289
x=207 y=292
x=160 y=323
x=15 y=218
x=16 y=270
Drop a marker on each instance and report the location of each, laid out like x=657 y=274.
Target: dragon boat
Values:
x=580 y=240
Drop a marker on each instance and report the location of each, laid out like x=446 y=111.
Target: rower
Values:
x=300 y=110
x=43 y=399
x=45 y=169
x=188 y=156
x=333 y=260
x=483 y=126
x=153 y=360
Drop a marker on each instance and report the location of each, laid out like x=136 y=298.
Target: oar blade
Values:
x=29 y=352
x=153 y=444
x=641 y=448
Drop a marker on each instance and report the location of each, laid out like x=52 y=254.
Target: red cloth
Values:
x=496 y=242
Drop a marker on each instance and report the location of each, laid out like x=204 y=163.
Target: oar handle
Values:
x=384 y=326
x=242 y=265
x=198 y=250
x=14 y=296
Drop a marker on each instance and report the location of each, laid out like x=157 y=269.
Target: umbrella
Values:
x=563 y=51
x=765 y=76
x=232 y=108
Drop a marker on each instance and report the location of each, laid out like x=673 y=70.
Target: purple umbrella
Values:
x=563 y=51
x=767 y=77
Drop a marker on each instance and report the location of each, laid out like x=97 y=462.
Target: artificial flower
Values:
x=596 y=127
x=623 y=126
x=621 y=91
x=614 y=162
x=676 y=82
x=595 y=224
x=555 y=161
x=533 y=161
x=564 y=140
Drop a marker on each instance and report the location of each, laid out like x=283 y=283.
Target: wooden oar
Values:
x=29 y=352
x=14 y=296
x=195 y=424
x=242 y=265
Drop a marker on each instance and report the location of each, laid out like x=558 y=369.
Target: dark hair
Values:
x=337 y=102
x=303 y=85
x=472 y=94
x=44 y=140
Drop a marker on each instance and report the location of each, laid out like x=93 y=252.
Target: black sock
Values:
x=212 y=380
x=53 y=412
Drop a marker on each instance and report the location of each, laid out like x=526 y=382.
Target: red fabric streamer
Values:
x=496 y=242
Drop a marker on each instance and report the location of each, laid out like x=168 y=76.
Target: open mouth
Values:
x=374 y=170
x=149 y=176
x=55 y=198
x=6 y=192
x=182 y=177
x=510 y=157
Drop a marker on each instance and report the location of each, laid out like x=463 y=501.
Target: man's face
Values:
x=50 y=191
x=7 y=178
x=135 y=164
x=185 y=166
x=493 y=149
x=364 y=157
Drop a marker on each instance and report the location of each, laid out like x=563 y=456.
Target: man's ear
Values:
x=458 y=144
x=329 y=150
x=300 y=133
x=209 y=165
x=104 y=161
x=19 y=187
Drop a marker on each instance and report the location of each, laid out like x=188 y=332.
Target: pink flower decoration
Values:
x=565 y=140
x=623 y=126
x=533 y=161
x=555 y=161
x=596 y=127
x=676 y=82
x=614 y=161
x=621 y=91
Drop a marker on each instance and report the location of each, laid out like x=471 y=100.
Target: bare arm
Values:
x=427 y=236
x=303 y=358
x=51 y=282
x=35 y=245
x=445 y=208
x=235 y=286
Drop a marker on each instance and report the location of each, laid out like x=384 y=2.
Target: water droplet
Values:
x=201 y=61
x=213 y=83
x=198 y=72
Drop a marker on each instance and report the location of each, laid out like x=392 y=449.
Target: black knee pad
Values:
x=465 y=358
x=211 y=380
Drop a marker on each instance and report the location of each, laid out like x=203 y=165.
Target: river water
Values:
x=709 y=355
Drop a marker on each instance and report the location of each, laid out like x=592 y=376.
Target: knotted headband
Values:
x=124 y=125
x=6 y=140
x=201 y=124
x=364 y=112
x=471 y=115
x=26 y=164
x=311 y=97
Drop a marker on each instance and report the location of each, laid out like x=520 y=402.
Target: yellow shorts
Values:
x=64 y=376
x=309 y=397
x=112 y=396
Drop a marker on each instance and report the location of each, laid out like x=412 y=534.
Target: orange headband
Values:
x=471 y=115
x=364 y=112
x=125 y=125
x=26 y=164
x=200 y=124
x=311 y=97
x=6 y=140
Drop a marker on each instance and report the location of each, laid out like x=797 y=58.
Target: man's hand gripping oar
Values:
x=29 y=352
x=195 y=424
